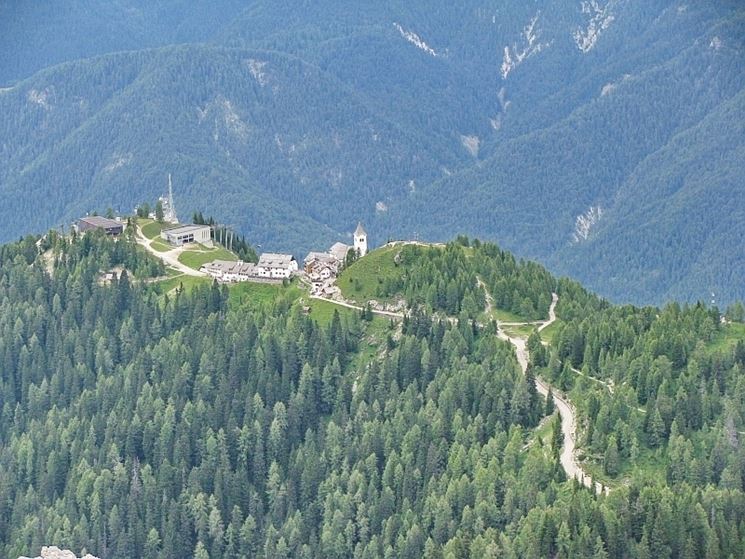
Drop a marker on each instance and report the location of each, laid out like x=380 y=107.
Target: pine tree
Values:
x=611 y=460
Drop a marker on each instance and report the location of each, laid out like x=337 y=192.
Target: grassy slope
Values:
x=508 y=316
x=373 y=342
x=260 y=293
x=522 y=331
x=728 y=337
x=151 y=229
x=254 y=294
x=195 y=259
x=160 y=246
x=181 y=280
x=548 y=333
x=360 y=281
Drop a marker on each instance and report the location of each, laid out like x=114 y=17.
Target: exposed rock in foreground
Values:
x=54 y=552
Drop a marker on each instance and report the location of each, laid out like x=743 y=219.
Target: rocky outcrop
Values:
x=54 y=552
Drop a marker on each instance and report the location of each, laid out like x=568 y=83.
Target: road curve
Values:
x=170 y=257
x=566 y=411
x=388 y=314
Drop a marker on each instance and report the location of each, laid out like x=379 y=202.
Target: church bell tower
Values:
x=360 y=240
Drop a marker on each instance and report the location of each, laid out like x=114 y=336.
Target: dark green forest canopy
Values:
x=135 y=424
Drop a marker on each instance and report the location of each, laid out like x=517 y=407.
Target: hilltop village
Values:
x=319 y=268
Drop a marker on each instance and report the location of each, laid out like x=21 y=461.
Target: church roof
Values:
x=360 y=230
x=339 y=251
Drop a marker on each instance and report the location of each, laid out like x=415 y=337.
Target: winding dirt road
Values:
x=566 y=411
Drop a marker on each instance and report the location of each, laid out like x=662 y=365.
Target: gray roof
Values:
x=339 y=251
x=230 y=267
x=324 y=257
x=273 y=260
x=360 y=230
x=185 y=229
x=98 y=221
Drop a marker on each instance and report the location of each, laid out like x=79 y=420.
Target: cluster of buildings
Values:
x=319 y=267
x=176 y=236
x=271 y=266
x=322 y=266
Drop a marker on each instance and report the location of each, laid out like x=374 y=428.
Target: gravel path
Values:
x=566 y=410
x=170 y=257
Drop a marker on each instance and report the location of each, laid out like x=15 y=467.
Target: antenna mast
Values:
x=171 y=205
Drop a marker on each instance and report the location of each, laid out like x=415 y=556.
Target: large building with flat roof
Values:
x=186 y=234
x=110 y=226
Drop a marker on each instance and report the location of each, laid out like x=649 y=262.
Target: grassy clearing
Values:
x=650 y=464
x=544 y=432
x=729 y=335
x=151 y=229
x=372 y=342
x=548 y=333
x=195 y=260
x=361 y=280
x=160 y=246
x=323 y=311
x=508 y=316
x=519 y=331
x=257 y=294
x=187 y=282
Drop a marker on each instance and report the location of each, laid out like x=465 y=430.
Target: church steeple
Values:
x=360 y=239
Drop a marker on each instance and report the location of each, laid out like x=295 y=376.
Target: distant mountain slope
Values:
x=684 y=205
x=561 y=129
x=41 y=34
x=592 y=193
x=265 y=139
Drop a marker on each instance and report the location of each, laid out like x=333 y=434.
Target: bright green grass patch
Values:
x=360 y=282
x=160 y=246
x=548 y=333
x=508 y=316
x=650 y=465
x=195 y=260
x=545 y=431
x=186 y=282
x=257 y=294
x=323 y=311
x=373 y=341
x=727 y=337
x=151 y=229
x=520 y=331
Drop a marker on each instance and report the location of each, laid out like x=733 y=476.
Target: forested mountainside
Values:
x=210 y=422
x=603 y=138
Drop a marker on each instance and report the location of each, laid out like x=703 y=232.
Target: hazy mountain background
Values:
x=604 y=138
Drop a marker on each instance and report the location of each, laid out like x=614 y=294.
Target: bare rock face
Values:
x=54 y=552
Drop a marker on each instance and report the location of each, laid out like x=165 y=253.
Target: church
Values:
x=321 y=266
